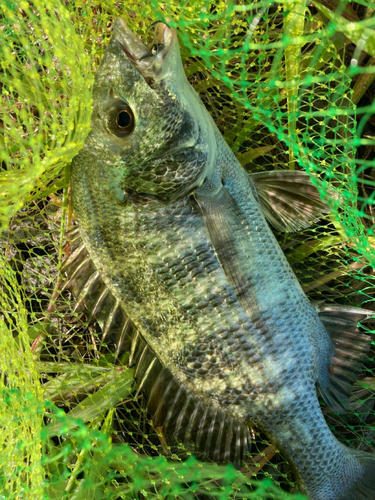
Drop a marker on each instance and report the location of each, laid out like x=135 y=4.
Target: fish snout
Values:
x=154 y=63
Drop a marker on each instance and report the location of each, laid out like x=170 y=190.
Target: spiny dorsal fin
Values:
x=93 y=297
x=209 y=431
x=288 y=199
x=350 y=351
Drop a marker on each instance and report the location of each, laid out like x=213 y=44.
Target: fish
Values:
x=175 y=257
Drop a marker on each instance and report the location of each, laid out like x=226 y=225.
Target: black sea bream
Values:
x=220 y=332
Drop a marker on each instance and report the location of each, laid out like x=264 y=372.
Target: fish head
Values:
x=148 y=122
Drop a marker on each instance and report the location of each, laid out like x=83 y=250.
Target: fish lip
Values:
x=130 y=43
x=148 y=64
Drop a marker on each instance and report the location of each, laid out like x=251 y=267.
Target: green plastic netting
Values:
x=291 y=86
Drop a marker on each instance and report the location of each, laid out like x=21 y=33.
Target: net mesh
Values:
x=290 y=85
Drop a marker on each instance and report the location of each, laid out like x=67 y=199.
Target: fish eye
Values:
x=124 y=119
x=121 y=120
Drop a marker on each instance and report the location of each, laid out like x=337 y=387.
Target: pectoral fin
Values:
x=230 y=234
x=288 y=199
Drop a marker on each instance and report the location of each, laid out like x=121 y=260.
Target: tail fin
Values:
x=363 y=488
x=346 y=475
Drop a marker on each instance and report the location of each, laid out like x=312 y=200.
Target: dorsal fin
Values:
x=350 y=351
x=93 y=297
x=207 y=430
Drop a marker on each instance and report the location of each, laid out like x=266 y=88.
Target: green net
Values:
x=290 y=86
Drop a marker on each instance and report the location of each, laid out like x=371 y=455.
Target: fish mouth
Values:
x=151 y=63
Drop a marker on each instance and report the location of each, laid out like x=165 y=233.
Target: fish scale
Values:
x=219 y=330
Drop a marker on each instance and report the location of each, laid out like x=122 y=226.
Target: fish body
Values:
x=177 y=230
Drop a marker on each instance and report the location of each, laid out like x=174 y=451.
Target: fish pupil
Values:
x=124 y=119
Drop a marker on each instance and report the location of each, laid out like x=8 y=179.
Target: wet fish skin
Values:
x=175 y=228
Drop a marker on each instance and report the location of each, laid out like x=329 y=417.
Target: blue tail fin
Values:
x=363 y=488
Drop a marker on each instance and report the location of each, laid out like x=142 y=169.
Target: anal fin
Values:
x=350 y=351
